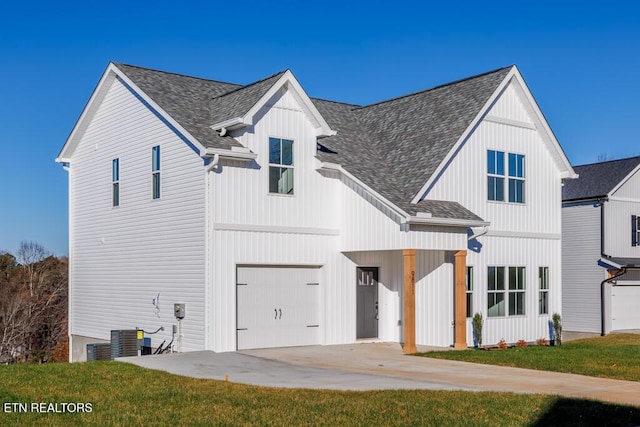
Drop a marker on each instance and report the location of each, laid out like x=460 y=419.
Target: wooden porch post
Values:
x=409 y=323
x=460 y=299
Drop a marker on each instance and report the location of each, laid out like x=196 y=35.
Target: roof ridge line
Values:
x=250 y=84
x=175 y=74
x=436 y=87
x=336 y=102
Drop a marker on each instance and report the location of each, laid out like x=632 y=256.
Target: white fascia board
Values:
x=334 y=167
x=233 y=123
x=104 y=84
x=464 y=136
x=321 y=126
x=623 y=181
x=565 y=172
x=231 y=154
x=608 y=264
x=89 y=109
x=160 y=111
x=452 y=222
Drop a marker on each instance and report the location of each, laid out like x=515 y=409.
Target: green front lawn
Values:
x=123 y=394
x=613 y=356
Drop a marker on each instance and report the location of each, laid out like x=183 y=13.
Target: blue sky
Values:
x=580 y=60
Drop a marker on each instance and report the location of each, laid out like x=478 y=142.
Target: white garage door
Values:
x=625 y=307
x=277 y=307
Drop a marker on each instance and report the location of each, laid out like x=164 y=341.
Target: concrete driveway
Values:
x=380 y=366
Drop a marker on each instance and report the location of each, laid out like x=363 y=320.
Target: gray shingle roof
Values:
x=393 y=147
x=238 y=102
x=598 y=179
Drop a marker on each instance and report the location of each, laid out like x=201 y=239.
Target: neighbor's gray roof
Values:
x=393 y=147
x=598 y=179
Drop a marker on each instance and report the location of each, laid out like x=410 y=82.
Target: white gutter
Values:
x=447 y=222
x=229 y=124
x=235 y=153
x=484 y=230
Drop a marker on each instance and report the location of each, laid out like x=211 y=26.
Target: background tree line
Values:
x=33 y=305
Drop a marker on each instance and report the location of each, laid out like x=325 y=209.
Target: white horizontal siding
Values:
x=617 y=217
x=123 y=257
x=581 y=275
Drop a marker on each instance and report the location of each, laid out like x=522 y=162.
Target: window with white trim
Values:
x=496 y=290
x=495 y=172
x=155 y=172
x=280 y=166
x=635 y=230
x=516 y=178
x=543 y=290
x=513 y=178
x=469 y=291
x=115 y=182
x=506 y=288
x=517 y=287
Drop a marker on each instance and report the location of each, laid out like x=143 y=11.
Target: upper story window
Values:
x=496 y=176
x=635 y=230
x=280 y=166
x=516 y=178
x=495 y=171
x=115 y=182
x=155 y=172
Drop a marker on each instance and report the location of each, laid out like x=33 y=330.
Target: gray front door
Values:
x=367 y=302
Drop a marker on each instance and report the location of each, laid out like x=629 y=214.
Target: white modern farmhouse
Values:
x=284 y=220
x=601 y=240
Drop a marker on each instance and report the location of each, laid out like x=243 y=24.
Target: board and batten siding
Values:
x=581 y=275
x=617 y=219
x=124 y=257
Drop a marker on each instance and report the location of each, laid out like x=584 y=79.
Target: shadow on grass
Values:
x=575 y=412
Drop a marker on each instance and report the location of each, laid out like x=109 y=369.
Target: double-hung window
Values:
x=495 y=178
x=516 y=178
x=635 y=230
x=469 y=291
x=115 y=182
x=517 y=287
x=280 y=166
x=155 y=172
x=543 y=290
x=495 y=286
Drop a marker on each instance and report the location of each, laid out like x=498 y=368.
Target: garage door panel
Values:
x=625 y=307
x=277 y=307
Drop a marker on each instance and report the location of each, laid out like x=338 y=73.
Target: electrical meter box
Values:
x=179 y=311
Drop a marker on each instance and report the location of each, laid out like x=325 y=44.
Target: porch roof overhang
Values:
x=619 y=263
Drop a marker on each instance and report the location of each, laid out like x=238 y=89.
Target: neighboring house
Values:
x=600 y=239
x=281 y=220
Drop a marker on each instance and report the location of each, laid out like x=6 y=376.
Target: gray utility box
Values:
x=179 y=311
x=124 y=342
x=98 y=351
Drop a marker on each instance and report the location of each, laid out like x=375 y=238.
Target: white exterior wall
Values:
x=581 y=275
x=617 y=217
x=123 y=257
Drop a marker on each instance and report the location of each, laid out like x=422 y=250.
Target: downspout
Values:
x=480 y=233
x=214 y=162
x=621 y=272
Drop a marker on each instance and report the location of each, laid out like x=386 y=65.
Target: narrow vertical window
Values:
x=635 y=230
x=495 y=297
x=516 y=178
x=469 y=291
x=115 y=182
x=517 y=288
x=495 y=175
x=280 y=166
x=543 y=290
x=155 y=171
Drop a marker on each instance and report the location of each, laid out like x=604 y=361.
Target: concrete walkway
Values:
x=381 y=366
